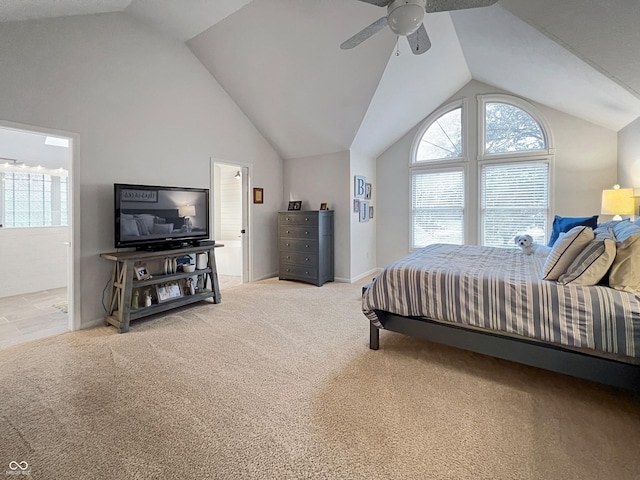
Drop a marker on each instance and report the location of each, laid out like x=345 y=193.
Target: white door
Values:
x=230 y=211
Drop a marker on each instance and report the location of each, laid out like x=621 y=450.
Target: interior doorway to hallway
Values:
x=36 y=225
x=230 y=220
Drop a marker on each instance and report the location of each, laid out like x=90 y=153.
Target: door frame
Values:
x=73 y=259
x=246 y=239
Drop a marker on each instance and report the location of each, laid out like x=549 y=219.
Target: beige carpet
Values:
x=278 y=382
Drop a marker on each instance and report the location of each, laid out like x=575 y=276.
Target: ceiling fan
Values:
x=404 y=17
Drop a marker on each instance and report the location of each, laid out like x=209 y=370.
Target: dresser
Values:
x=306 y=246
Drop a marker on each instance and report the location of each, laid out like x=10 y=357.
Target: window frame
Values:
x=528 y=108
x=472 y=166
x=447 y=164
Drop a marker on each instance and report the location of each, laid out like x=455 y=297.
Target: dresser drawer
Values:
x=306 y=218
x=298 y=271
x=299 y=258
x=298 y=245
x=295 y=231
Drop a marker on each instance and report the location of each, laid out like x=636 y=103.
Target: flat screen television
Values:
x=151 y=217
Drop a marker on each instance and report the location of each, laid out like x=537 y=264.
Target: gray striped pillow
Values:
x=625 y=229
x=593 y=262
x=565 y=251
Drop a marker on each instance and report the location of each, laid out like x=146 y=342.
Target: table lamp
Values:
x=187 y=212
x=618 y=201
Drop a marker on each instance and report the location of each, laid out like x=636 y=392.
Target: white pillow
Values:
x=148 y=221
x=162 y=228
x=128 y=226
x=565 y=251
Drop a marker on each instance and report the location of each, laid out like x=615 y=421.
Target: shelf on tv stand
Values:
x=123 y=283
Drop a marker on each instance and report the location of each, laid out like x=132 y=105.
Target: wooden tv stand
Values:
x=124 y=283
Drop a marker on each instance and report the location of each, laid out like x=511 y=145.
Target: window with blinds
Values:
x=514 y=199
x=437 y=207
x=505 y=181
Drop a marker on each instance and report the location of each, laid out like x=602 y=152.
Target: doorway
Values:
x=36 y=229
x=230 y=221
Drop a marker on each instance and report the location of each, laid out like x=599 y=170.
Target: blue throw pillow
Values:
x=564 y=224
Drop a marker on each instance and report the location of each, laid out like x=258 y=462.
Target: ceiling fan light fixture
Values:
x=405 y=18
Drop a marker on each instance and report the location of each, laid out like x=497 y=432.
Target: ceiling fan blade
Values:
x=378 y=3
x=362 y=35
x=419 y=41
x=447 y=5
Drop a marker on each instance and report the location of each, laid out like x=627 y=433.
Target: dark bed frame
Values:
x=521 y=350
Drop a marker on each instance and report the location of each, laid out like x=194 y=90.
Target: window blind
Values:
x=437 y=207
x=514 y=199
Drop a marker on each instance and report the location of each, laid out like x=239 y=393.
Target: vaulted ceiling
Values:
x=280 y=61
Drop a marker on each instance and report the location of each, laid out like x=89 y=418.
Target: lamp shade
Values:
x=618 y=201
x=187 y=211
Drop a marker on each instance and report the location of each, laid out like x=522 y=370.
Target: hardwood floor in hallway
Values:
x=32 y=316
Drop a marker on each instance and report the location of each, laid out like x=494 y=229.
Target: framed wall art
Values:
x=364 y=211
x=359 y=183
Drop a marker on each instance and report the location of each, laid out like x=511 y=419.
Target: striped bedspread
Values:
x=501 y=289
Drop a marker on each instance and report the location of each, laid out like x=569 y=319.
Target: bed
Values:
x=153 y=224
x=493 y=301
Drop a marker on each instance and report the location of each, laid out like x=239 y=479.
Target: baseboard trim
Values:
x=359 y=277
x=93 y=323
x=264 y=277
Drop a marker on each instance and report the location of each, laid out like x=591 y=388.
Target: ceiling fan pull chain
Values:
x=397 y=46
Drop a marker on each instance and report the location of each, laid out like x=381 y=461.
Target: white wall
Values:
x=323 y=179
x=585 y=164
x=629 y=156
x=146 y=111
x=363 y=234
x=33 y=259
x=229 y=205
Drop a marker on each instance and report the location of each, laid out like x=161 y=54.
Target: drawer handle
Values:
x=307 y=259
x=307 y=246
x=287 y=257
x=306 y=233
x=306 y=273
x=306 y=219
x=288 y=270
x=288 y=245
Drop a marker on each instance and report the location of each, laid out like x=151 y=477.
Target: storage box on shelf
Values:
x=167 y=288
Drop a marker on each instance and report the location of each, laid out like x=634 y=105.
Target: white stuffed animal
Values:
x=529 y=247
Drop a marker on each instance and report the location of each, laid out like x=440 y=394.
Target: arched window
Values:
x=488 y=195
x=442 y=139
x=438 y=178
x=514 y=178
x=510 y=129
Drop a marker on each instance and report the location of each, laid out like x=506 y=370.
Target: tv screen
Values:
x=155 y=217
